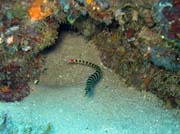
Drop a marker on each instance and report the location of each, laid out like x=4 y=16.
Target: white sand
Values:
x=59 y=100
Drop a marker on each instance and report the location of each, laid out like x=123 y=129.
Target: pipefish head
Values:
x=71 y=60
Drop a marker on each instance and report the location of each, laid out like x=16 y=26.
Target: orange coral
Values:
x=89 y=1
x=36 y=11
x=5 y=89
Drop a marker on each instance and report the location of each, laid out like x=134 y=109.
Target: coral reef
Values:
x=21 y=41
x=125 y=32
x=136 y=50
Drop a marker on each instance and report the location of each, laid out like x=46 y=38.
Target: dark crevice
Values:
x=64 y=27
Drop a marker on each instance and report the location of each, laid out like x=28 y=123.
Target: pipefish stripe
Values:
x=92 y=79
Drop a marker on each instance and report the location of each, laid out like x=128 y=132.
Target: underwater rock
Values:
x=167 y=13
x=165 y=58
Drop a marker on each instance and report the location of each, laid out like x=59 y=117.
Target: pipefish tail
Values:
x=92 y=79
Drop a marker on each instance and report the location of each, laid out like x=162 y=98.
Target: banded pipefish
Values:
x=92 y=79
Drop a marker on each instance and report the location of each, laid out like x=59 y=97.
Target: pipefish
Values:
x=92 y=79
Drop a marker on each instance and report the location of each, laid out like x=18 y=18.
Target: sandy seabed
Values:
x=57 y=105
